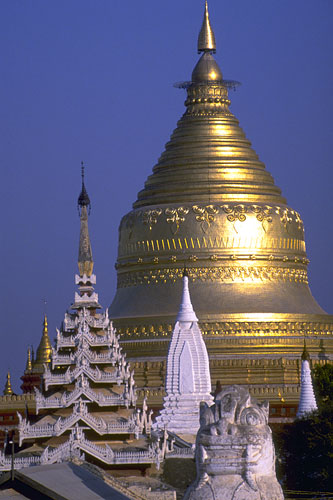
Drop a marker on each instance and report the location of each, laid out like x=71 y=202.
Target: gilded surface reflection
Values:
x=210 y=204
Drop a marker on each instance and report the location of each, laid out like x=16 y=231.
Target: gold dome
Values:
x=207 y=70
x=211 y=204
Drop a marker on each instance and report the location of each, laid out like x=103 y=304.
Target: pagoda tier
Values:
x=87 y=403
x=88 y=387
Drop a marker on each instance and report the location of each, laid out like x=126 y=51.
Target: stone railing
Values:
x=92 y=357
x=96 y=375
x=92 y=339
x=109 y=357
x=77 y=442
x=65 y=451
x=67 y=399
x=108 y=456
x=71 y=321
x=180 y=453
x=19 y=462
x=27 y=431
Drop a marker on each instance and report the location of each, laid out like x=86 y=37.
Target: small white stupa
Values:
x=187 y=378
x=307 y=400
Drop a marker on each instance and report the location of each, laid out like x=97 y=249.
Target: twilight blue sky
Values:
x=92 y=80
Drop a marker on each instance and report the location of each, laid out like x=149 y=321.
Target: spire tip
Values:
x=83 y=200
x=206 y=39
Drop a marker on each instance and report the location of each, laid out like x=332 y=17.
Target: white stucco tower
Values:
x=187 y=378
x=307 y=400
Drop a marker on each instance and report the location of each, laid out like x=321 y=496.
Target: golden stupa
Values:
x=210 y=204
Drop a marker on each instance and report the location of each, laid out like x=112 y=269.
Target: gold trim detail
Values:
x=205 y=215
x=224 y=274
x=255 y=331
x=149 y=217
x=175 y=216
x=192 y=242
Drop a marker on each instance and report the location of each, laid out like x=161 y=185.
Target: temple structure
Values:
x=34 y=369
x=307 y=400
x=210 y=204
x=187 y=376
x=87 y=405
x=8 y=391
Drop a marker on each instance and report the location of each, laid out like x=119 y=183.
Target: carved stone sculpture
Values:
x=235 y=456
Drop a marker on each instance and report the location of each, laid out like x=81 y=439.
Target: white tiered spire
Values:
x=187 y=379
x=307 y=400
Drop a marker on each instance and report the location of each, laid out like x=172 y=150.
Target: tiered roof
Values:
x=87 y=404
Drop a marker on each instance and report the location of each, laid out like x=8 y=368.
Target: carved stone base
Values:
x=235 y=488
x=235 y=456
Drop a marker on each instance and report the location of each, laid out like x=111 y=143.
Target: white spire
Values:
x=187 y=378
x=186 y=312
x=307 y=400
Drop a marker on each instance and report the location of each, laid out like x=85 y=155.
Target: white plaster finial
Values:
x=186 y=312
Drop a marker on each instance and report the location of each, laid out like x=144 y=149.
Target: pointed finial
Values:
x=186 y=312
x=43 y=354
x=28 y=366
x=83 y=200
x=45 y=325
x=185 y=273
x=206 y=39
x=305 y=353
x=85 y=261
x=8 y=387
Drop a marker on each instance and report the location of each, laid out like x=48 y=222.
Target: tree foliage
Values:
x=305 y=447
x=323 y=384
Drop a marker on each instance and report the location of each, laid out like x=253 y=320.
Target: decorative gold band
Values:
x=252 y=330
x=219 y=274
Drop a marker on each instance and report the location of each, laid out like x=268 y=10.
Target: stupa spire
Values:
x=305 y=353
x=206 y=38
x=8 y=387
x=188 y=380
x=86 y=297
x=186 y=312
x=28 y=366
x=43 y=354
x=85 y=260
x=211 y=202
x=307 y=400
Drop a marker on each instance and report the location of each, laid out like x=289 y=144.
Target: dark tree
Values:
x=305 y=447
x=323 y=384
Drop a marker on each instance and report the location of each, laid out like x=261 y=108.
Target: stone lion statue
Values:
x=235 y=456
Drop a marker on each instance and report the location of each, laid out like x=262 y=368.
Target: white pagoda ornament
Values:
x=187 y=378
x=307 y=400
x=87 y=407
